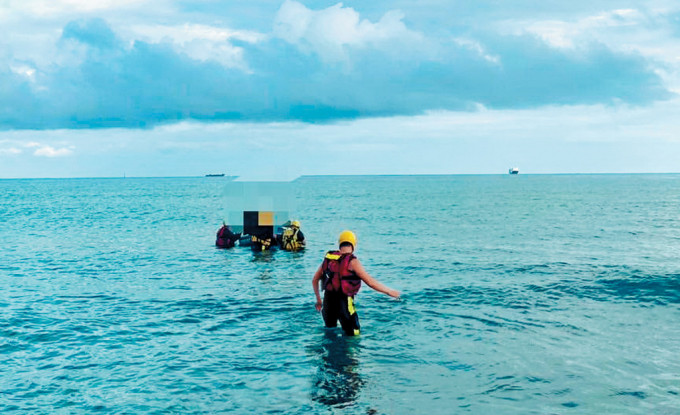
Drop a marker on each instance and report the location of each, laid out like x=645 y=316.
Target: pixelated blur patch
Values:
x=269 y=202
x=253 y=226
x=265 y=218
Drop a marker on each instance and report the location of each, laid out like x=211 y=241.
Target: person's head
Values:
x=295 y=224
x=347 y=238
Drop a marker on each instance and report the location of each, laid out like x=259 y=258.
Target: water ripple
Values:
x=540 y=294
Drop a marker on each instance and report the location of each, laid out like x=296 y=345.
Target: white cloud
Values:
x=9 y=151
x=24 y=70
x=614 y=18
x=53 y=7
x=649 y=33
x=183 y=34
x=49 y=151
x=200 y=42
x=568 y=34
x=38 y=149
x=330 y=32
x=478 y=48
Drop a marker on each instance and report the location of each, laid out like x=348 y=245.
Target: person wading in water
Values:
x=340 y=276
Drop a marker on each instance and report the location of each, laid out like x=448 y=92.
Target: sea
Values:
x=526 y=294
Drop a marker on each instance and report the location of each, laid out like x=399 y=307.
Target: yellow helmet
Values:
x=347 y=236
x=295 y=223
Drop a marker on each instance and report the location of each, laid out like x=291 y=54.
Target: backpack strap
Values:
x=328 y=274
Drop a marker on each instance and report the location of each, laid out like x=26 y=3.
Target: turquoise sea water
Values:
x=521 y=294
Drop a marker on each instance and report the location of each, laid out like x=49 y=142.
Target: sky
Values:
x=273 y=90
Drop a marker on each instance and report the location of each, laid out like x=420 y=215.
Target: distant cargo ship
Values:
x=513 y=170
x=215 y=175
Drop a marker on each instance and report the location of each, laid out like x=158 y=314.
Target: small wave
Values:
x=654 y=289
x=634 y=394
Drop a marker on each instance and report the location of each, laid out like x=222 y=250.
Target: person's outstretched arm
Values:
x=358 y=268
x=315 y=284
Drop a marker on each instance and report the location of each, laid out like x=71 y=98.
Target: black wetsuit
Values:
x=338 y=306
x=263 y=242
x=300 y=236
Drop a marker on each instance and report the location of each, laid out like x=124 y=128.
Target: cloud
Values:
x=10 y=151
x=92 y=32
x=187 y=33
x=573 y=34
x=24 y=70
x=583 y=138
x=649 y=33
x=477 y=48
x=319 y=66
x=201 y=42
x=44 y=150
x=53 y=7
x=331 y=31
x=37 y=148
x=49 y=151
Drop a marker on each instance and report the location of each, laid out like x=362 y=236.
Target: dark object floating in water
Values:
x=215 y=175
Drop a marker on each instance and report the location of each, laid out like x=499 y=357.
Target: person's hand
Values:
x=394 y=294
x=318 y=306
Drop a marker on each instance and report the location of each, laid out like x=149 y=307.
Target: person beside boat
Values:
x=292 y=238
x=340 y=276
x=226 y=238
x=263 y=241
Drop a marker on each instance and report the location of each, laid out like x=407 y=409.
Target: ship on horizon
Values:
x=513 y=170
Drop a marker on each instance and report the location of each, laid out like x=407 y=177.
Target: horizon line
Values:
x=232 y=178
